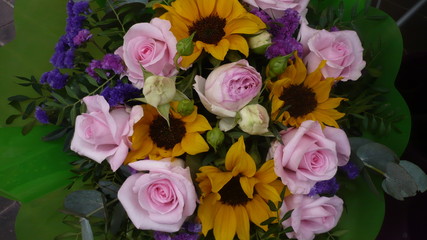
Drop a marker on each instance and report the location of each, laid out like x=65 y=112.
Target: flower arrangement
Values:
x=214 y=119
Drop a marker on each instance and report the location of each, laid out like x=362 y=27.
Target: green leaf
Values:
x=12 y=118
x=92 y=81
x=29 y=110
x=73 y=114
x=28 y=127
x=287 y=215
x=110 y=189
x=56 y=134
x=86 y=229
x=417 y=174
x=60 y=98
x=268 y=221
x=272 y=206
x=85 y=202
x=376 y=155
x=118 y=217
x=18 y=98
x=101 y=73
x=83 y=88
x=398 y=183
x=164 y=111
x=71 y=93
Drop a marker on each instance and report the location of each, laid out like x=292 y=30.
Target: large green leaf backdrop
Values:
x=35 y=172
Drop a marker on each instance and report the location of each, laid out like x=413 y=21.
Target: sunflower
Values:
x=296 y=97
x=217 y=25
x=233 y=198
x=153 y=137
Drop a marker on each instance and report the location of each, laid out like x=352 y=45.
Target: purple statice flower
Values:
x=41 y=115
x=90 y=70
x=284 y=47
x=82 y=36
x=262 y=15
x=351 y=170
x=186 y=236
x=120 y=93
x=60 y=54
x=330 y=186
x=285 y=26
x=54 y=78
x=162 y=236
x=334 y=29
x=192 y=227
x=113 y=62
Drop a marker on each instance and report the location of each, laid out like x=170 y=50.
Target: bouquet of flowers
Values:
x=217 y=119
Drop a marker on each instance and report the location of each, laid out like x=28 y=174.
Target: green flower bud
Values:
x=277 y=65
x=215 y=137
x=260 y=42
x=185 y=46
x=185 y=107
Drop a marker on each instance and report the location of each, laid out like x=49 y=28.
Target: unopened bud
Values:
x=185 y=46
x=185 y=107
x=277 y=65
x=260 y=42
x=215 y=137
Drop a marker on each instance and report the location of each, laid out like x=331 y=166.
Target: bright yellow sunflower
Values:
x=297 y=97
x=217 y=25
x=233 y=198
x=153 y=137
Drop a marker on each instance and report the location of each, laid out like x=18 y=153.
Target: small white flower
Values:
x=254 y=119
x=159 y=90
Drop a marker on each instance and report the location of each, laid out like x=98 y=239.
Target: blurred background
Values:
x=403 y=220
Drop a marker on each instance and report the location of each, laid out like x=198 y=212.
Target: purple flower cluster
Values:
x=82 y=36
x=109 y=62
x=282 y=31
x=190 y=231
x=64 y=49
x=41 y=115
x=120 y=93
x=54 y=78
x=330 y=186
x=351 y=170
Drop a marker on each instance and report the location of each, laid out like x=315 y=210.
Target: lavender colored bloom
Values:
x=90 y=70
x=54 y=78
x=193 y=227
x=285 y=26
x=162 y=236
x=325 y=187
x=113 y=62
x=41 y=115
x=120 y=93
x=58 y=58
x=186 y=236
x=351 y=170
x=334 y=29
x=82 y=36
x=262 y=15
x=284 y=47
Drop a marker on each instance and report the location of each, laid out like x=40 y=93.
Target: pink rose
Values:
x=311 y=215
x=102 y=133
x=150 y=45
x=160 y=199
x=309 y=155
x=276 y=8
x=228 y=88
x=342 y=51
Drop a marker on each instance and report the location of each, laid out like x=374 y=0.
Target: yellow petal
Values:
x=206 y=212
x=230 y=9
x=188 y=60
x=241 y=26
x=225 y=223
x=193 y=143
x=330 y=103
x=219 y=50
x=219 y=179
x=183 y=8
x=205 y=8
x=267 y=192
x=247 y=185
x=177 y=150
x=258 y=211
x=200 y=124
x=239 y=161
x=242 y=218
x=266 y=173
x=238 y=43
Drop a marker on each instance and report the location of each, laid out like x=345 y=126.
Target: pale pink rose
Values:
x=161 y=197
x=275 y=8
x=102 y=133
x=311 y=215
x=342 y=51
x=150 y=45
x=228 y=88
x=309 y=155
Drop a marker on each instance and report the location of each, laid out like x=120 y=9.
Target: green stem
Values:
x=100 y=208
x=91 y=93
x=117 y=17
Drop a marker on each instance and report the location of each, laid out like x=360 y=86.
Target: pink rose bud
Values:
x=311 y=215
x=308 y=155
x=228 y=88
x=254 y=119
x=342 y=51
x=102 y=133
x=161 y=197
x=150 y=45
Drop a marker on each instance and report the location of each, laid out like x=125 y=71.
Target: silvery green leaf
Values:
x=398 y=183
x=179 y=96
x=417 y=174
x=164 y=111
x=110 y=189
x=376 y=155
x=118 y=217
x=357 y=142
x=85 y=202
x=86 y=229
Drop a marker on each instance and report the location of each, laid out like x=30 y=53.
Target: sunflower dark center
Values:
x=232 y=193
x=300 y=99
x=164 y=136
x=208 y=29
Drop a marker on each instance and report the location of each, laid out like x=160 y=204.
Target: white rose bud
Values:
x=260 y=42
x=159 y=90
x=254 y=119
